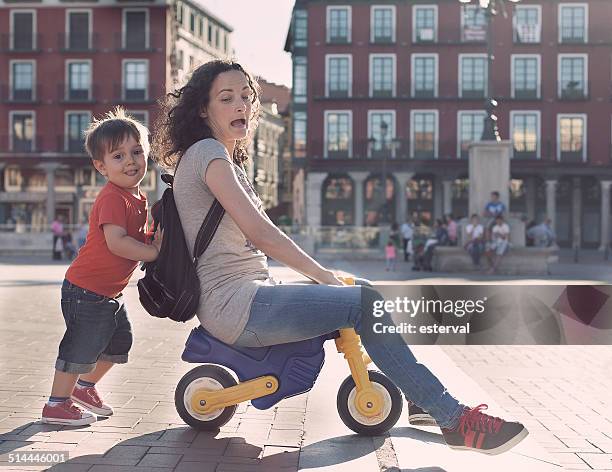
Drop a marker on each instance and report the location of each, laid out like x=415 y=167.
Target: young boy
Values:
x=98 y=332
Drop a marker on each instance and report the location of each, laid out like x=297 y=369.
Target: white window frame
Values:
x=585 y=73
x=393 y=129
x=538 y=57
x=538 y=113
x=147 y=25
x=89 y=12
x=514 y=21
x=461 y=13
x=131 y=111
x=460 y=68
x=34 y=26
x=10 y=126
x=11 y=84
x=560 y=7
x=460 y=114
x=413 y=58
x=371 y=72
x=584 y=138
x=393 y=9
x=349 y=22
x=436 y=131
x=67 y=75
x=7 y=185
x=303 y=61
x=350 y=143
x=424 y=7
x=147 y=85
x=350 y=71
x=66 y=125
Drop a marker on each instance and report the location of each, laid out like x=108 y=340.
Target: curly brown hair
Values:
x=179 y=124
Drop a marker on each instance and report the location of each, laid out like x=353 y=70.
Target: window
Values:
x=382 y=24
x=299 y=134
x=525 y=134
x=338 y=75
x=527 y=23
x=22 y=131
x=573 y=21
x=525 y=76
x=180 y=13
x=382 y=75
x=424 y=140
x=192 y=23
x=76 y=124
x=22 y=80
x=217 y=43
x=381 y=133
x=79 y=81
x=210 y=33
x=473 y=75
x=474 y=23
x=338 y=24
x=573 y=76
x=23 y=29
x=424 y=23
x=424 y=75
x=338 y=205
x=571 y=138
x=79 y=30
x=338 y=134
x=135 y=80
x=135 y=30
x=141 y=116
x=200 y=27
x=300 y=28
x=471 y=125
x=299 y=79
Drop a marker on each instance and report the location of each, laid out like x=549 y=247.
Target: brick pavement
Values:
x=560 y=392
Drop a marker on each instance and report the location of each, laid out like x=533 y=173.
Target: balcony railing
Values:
x=70 y=145
x=78 y=42
x=23 y=146
x=135 y=95
x=385 y=91
x=21 y=42
x=473 y=93
x=383 y=39
x=573 y=91
x=70 y=95
x=30 y=95
x=138 y=43
x=526 y=93
x=339 y=38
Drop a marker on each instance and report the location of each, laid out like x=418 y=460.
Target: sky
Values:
x=260 y=30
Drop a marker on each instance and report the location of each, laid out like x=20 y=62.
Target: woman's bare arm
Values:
x=223 y=183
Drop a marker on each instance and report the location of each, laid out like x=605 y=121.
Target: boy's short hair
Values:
x=107 y=133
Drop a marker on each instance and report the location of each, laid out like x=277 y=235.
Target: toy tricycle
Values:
x=206 y=397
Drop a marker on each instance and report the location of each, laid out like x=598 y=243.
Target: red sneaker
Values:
x=66 y=413
x=484 y=433
x=90 y=399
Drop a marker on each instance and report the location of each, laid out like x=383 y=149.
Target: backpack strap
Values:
x=208 y=229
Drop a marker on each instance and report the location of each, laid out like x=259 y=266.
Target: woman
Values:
x=203 y=132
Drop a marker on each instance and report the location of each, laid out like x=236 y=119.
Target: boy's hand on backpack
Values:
x=158 y=237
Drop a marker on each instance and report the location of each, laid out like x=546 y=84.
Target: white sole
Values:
x=93 y=409
x=498 y=450
x=59 y=421
x=422 y=420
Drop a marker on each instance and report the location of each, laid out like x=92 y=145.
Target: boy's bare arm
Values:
x=122 y=245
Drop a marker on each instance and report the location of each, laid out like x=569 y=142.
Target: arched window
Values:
x=379 y=203
x=591 y=212
x=338 y=203
x=419 y=192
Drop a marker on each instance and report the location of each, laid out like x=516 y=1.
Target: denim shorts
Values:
x=97 y=328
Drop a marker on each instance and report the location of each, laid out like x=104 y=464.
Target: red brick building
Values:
x=395 y=90
x=62 y=63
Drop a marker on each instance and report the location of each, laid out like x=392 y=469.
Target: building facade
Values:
x=63 y=63
x=394 y=92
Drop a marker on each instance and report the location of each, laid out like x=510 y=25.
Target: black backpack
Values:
x=170 y=287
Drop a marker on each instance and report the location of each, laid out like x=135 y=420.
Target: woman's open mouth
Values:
x=239 y=123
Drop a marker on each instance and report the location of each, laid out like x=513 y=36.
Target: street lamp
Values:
x=490 y=131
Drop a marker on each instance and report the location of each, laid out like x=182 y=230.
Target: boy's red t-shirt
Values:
x=96 y=268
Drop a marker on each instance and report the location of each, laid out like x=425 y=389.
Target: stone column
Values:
x=447 y=191
x=401 y=205
x=489 y=170
x=358 y=180
x=530 y=192
x=50 y=168
x=551 y=201
x=576 y=213
x=605 y=214
x=314 y=181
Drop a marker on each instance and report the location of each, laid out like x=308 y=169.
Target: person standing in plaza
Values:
x=57 y=229
x=390 y=256
x=406 y=230
x=98 y=333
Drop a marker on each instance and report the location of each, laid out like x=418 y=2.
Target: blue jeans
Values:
x=293 y=312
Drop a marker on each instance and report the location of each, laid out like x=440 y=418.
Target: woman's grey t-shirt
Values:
x=231 y=269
